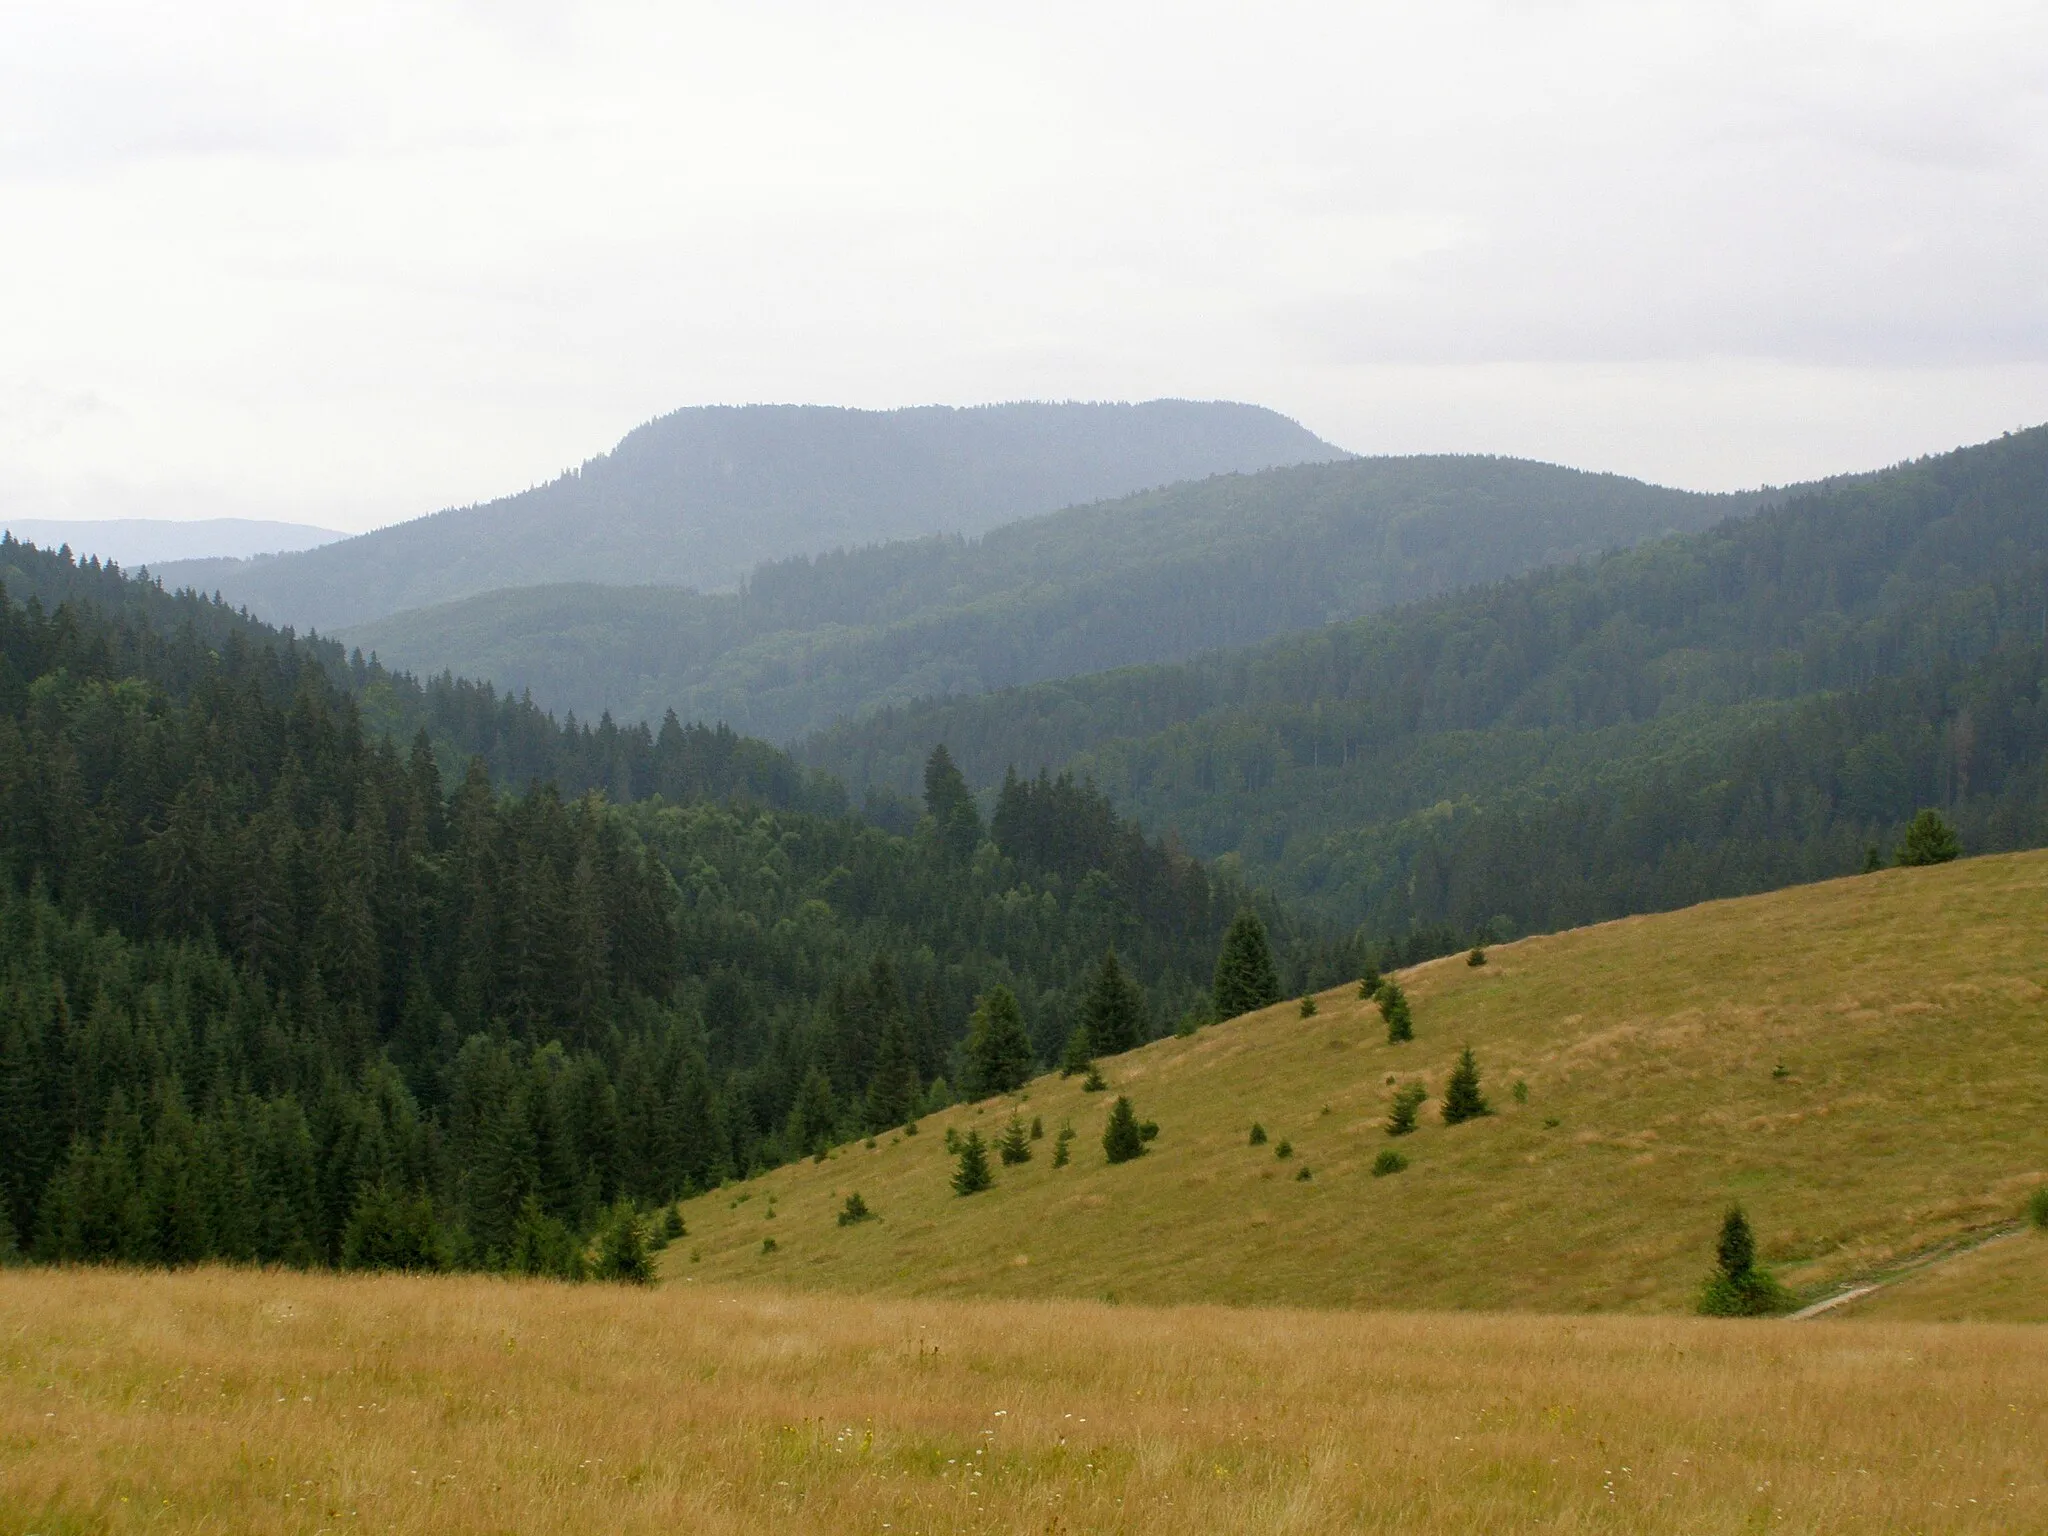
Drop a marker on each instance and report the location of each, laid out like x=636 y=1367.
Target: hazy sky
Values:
x=349 y=263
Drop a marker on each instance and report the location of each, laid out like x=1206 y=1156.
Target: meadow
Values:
x=1863 y=1064
x=238 y=1400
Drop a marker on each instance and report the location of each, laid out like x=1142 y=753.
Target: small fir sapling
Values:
x=622 y=1249
x=972 y=1176
x=1079 y=1056
x=1122 y=1139
x=1477 y=956
x=1258 y=1134
x=672 y=1225
x=1929 y=839
x=1060 y=1153
x=1520 y=1091
x=1093 y=1082
x=768 y=1245
x=1303 y=1176
x=1285 y=1149
x=1037 y=1128
x=2037 y=1208
x=1739 y=1286
x=952 y=1139
x=1394 y=1009
x=1369 y=983
x=1873 y=861
x=1389 y=1161
x=1148 y=1130
x=855 y=1210
x=1308 y=1006
x=1407 y=1102
x=1462 y=1099
x=1015 y=1146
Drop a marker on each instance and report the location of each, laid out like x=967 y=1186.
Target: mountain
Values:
x=700 y=497
x=154 y=541
x=1159 y=576
x=1858 y=1063
x=1705 y=715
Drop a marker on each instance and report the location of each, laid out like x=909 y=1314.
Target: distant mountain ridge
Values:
x=1159 y=576
x=152 y=541
x=701 y=496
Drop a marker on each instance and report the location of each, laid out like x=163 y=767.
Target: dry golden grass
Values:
x=2004 y=1281
x=1908 y=1010
x=239 y=1401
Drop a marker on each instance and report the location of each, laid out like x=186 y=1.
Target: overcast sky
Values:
x=350 y=263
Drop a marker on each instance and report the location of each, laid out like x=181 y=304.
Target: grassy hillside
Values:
x=251 y=1401
x=1161 y=576
x=2002 y=1281
x=701 y=496
x=1863 y=1064
x=1705 y=715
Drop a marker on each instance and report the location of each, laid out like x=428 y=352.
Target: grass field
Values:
x=1862 y=1063
x=243 y=1401
x=2003 y=1281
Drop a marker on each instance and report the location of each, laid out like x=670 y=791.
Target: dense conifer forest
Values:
x=1705 y=715
x=1161 y=576
x=278 y=983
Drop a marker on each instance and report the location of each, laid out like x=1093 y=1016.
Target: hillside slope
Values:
x=1159 y=576
x=1863 y=1064
x=699 y=497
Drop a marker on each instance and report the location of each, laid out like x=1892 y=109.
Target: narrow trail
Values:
x=1911 y=1267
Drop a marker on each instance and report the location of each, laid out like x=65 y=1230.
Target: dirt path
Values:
x=1908 y=1268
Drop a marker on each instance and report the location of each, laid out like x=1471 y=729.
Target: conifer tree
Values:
x=1407 y=1101
x=998 y=1049
x=1245 y=978
x=1079 y=1055
x=972 y=1175
x=1015 y=1145
x=1462 y=1098
x=951 y=805
x=1369 y=983
x=1122 y=1140
x=622 y=1253
x=1059 y=1146
x=894 y=1090
x=1113 y=1008
x=1739 y=1287
x=1929 y=839
x=814 y=1117
x=1394 y=1009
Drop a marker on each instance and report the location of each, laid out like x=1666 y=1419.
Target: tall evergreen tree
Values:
x=1245 y=977
x=998 y=1046
x=1112 y=1008
x=1462 y=1098
x=972 y=1174
x=1394 y=1009
x=894 y=1091
x=950 y=804
x=814 y=1118
x=1123 y=1138
x=1079 y=1055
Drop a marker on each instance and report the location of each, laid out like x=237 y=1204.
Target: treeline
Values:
x=273 y=988
x=1336 y=765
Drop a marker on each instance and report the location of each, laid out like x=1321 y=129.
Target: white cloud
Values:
x=382 y=258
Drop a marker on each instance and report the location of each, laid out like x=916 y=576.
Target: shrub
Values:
x=1462 y=1098
x=1394 y=1009
x=1285 y=1149
x=972 y=1176
x=1401 y=1114
x=767 y=1245
x=1122 y=1139
x=1389 y=1161
x=1258 y=1134
x=1015 y=1146
x=1739 y=1287
x=1520 y=1091
x=1369 y=983
x=1308 y=1006
x=952 y=1139
x=910 y=1128
x=1148 y=1130
x=1093 y=1082
x=1929 y=839
x=1037 y=1128
x=1304 y=1176
x=854 y=1211
x=1477 y=957
x=1059 y=1146
x=2037 y=1208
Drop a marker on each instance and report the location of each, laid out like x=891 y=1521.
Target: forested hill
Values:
x=275 y=987
x=1704 y=715
x=699 y=497
x=1155 y=577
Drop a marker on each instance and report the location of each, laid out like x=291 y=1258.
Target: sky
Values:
x=350 y=264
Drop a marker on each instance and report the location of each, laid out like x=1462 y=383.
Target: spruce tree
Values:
x=1245 y=978
x=1462 y=1098
x=998 y=1049
x=1079 y=1055
x=1059 y=1146
x=1015 y=1145
x=1307 y=1007
x=951 y=805
x=972 y=1175
x=1122 y=1140
x=1407 y=1100
x=1113 y=1008
x=814 y=1117
x=622 y=1249
x=1929 y=839
x=855 y=1211
x=893 y=1091
x=1369 y=983
x=1394 y=1009
x=1739 y=1287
